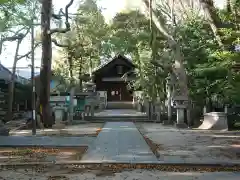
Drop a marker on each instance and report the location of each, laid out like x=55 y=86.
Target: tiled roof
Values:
x=5 y=74
x=118 y=56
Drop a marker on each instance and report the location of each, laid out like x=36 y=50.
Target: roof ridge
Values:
x=118 y=55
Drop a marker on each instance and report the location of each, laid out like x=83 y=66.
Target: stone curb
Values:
x=44 y=146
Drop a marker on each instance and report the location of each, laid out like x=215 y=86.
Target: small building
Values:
x=57 y=83
x=22 y=91
x=113 y=77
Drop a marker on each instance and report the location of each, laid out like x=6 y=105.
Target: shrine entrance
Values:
x=109 y=77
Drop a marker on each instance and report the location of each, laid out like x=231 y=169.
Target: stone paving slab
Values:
x=119 y=142
x=17 y=141
x=193 y=146
x=119 y=112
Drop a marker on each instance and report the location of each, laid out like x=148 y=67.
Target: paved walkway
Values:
x=119 y=112
x=119 y=142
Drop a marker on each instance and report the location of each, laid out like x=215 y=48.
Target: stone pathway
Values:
x=17 y=141
x=119 y=112
x=119 y=142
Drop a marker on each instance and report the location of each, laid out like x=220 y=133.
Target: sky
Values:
x=109 y=8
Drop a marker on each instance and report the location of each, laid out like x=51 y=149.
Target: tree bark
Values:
x=45 y=72
x=229 y=8
x=80 y=75
x=70 y=62
x=12 y=83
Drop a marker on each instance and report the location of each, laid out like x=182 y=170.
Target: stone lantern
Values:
x=180 y=103
x=91 y=99
x=90 y=86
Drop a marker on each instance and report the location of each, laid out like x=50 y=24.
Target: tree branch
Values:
x=16 y=36
x=28 y=53
x=67 y=28
x=158 y=20
x=58 y=44
x=59 y=15
x=18 y=31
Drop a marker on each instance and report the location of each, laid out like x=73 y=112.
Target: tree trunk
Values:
x=229 y=9
x=169 y=97
x=45 y=73
x=179 y=70
x=213 y=20
x=80 y=75
x=12 y=83
x=72 y=89
x=70 y=62
x=178 y=66
x=91 y=66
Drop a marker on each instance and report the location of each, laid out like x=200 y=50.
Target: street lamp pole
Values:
x=34 y=124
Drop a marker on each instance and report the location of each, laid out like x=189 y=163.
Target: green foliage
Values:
x=209 y=68
x=16 y=16
x=11 y=1
x=130 y=35
x=84 y=42
x=127 y=32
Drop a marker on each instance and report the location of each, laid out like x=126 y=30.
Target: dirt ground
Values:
x=89 y=129
x=192 y=146
x=43 y=154
x=25 y=155
x=137 y=174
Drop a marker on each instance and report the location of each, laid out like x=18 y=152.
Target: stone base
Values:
x=39 y=123
x=181 y=125
x=166 y=122
x=59 y=126
x=67 y=123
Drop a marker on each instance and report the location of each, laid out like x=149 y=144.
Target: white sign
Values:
x=75 y=102
x=237 y=47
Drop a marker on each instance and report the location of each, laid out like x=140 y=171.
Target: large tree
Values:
x=16 y=23
x=129 y=35
x=82 y=46
x=45 y=72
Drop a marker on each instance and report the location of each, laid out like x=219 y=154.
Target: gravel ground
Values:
x=138 y=174
x=193 y=146
x=73 y=130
